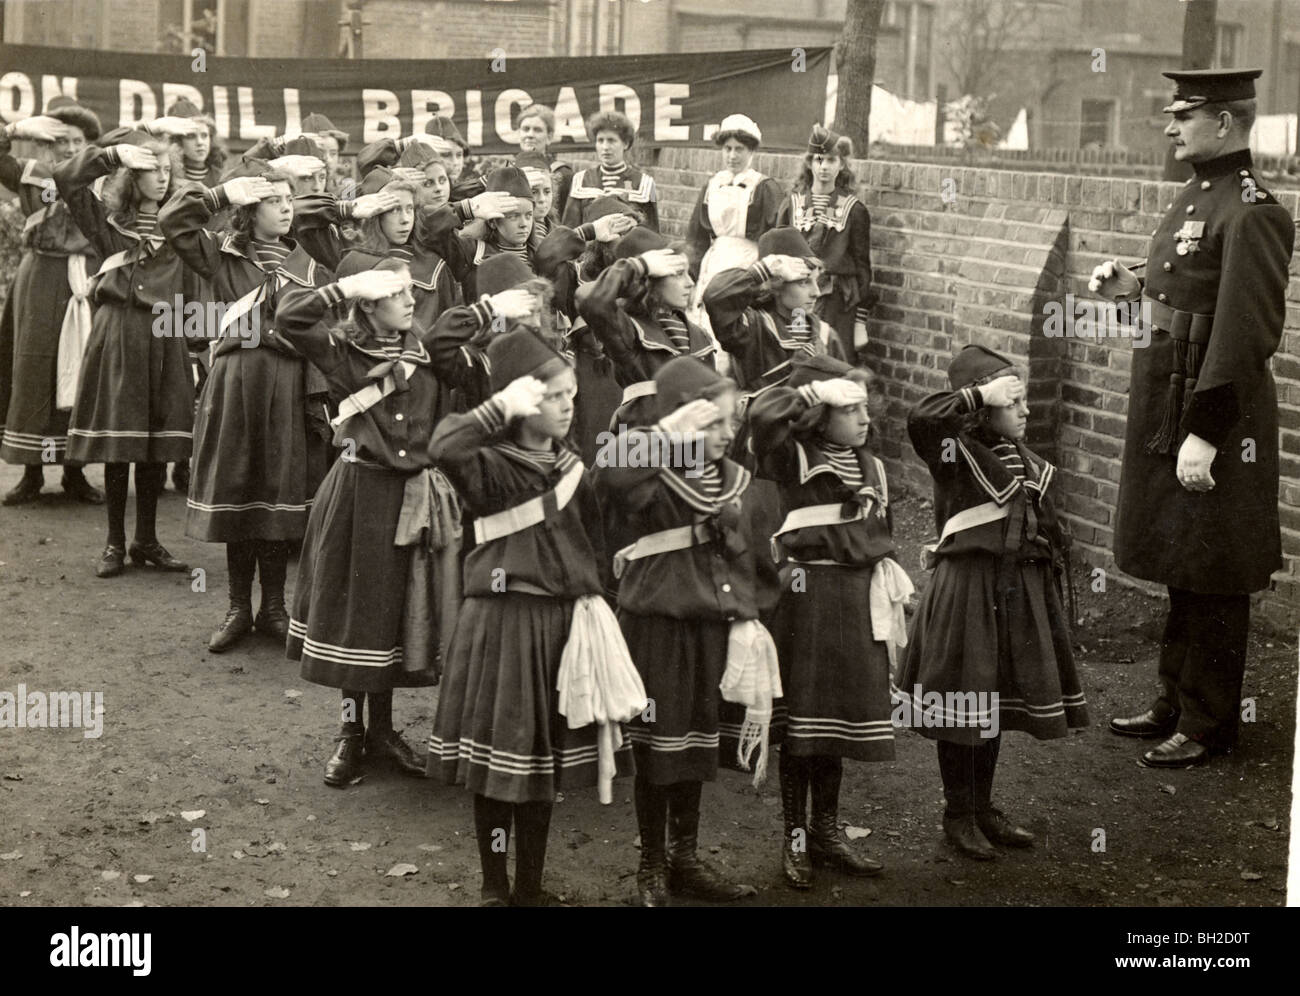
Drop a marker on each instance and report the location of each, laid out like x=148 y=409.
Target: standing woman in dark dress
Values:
x=837 y=226
x=257 y=461
x=135 y=400
x=990 y=628
x=44 y=305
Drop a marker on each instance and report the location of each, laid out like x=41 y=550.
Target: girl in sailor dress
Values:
x=48 y=293
x=637 y=310
x=362 y=618
x=990 y=626
x=736 y=206
x=837 y=226
x=135 y=399
x=613 y=135
x=689 y=609
x=534 y=568
x=257 y=461
x=809 y=435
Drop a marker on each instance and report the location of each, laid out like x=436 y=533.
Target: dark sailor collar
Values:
x=564 y=457
x=297 y=266
x=413 y=351
x=735 y=479
x=994 y=477
x=813 y=461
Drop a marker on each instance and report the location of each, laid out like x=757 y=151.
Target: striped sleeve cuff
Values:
x=641 y=267
x=809 y=393
x=761 y=271
x=215 y=198
x=971 y=398
x=483 y=311
x=333 y=294
x=111 y=157
x=345 y=209
x=586 y=232
x=491 y=414
x=463 y=210
x=861 y=316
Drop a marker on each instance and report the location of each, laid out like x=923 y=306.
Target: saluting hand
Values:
x=134 y=157
x=372 y=285
x=839 y=392
x=662 y=262
x=522 y=397
x=248 y=189
x=1002 y=392
x=369 y=205
x=787 y=268
x=491 y=204
x=692 y=417
x=41 y=128
x=1194 y=459
x=513 y=303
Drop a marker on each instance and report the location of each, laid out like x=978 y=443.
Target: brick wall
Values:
x=982 y=268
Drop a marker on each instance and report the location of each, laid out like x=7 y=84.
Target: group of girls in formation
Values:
x=410 y=377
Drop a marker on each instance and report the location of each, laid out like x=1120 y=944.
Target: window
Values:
x=1096 y=124
x=1227 y=45
x=595 y=27
x=219 y=27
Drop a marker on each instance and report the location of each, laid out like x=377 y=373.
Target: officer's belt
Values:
x=1184 y=325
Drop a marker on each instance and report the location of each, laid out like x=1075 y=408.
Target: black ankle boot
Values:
x=240 y=563
x=28 y=489
x=345 y=763
x=795 y=863
x=272 y=565
x=652 y=821
x=824 y=844
x=688 y=874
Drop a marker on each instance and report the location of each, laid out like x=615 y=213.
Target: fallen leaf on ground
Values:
x=854 y=833
x=190 y=815
x=1249 y=876
x=11 y=856
x=359 y=845
x=277 y=893
x=110 y=876
x=397 y=871
x=142 y=879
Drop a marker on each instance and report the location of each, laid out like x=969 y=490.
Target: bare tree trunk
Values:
x=855 y=61
x=1198 y=53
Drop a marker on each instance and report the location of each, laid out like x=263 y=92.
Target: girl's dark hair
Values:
x=119 y=192
x=844 y=179
x=241 y=222
x=647 y=301
x=743 y=137
x=372 y=237
x=613 y=121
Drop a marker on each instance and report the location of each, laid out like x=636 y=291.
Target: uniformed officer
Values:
x=1198 y=487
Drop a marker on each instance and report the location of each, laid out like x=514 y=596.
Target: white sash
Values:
x=367 y=397
x=529 y=513
x=816 y=515
x=641 y=389
x=664 y=541
x=969 y=518
x=73 y=335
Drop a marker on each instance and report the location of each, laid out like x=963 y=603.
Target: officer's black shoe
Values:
x=345 y=764
x=1000 y=830
x=1179 y=751
x=28 y=489
x=1152 y=724
x=966 y=836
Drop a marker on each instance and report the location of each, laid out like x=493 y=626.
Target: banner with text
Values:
x=672 y=99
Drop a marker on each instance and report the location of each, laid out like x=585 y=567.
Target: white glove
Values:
x=691 y=417
x=859 y=334
x=513 y=303
x=491 y=204
x=838 y=392
x=522 y=397
x=787 y=268
x=1002 y=392
x=369 y=205
x=134 y=157
x=371 y=285
x=248 y=189
x=40 y=128
x=611 y=226
x=662 y=262
x=408 y=173
x=1114 y=280
x=298 y=166
x=435 y=142
x=173 y=127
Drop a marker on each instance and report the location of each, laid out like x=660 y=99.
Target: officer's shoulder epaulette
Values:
x=1252 y=192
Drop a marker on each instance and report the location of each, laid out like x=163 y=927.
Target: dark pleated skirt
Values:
x=346 y=622
x=834 y=674
x=498 y=730
x=257 y=461
x=40 y=298
x=953 y=648
x=681 y=662
x=135 y=395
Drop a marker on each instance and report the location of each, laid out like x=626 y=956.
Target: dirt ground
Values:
x=111 y=821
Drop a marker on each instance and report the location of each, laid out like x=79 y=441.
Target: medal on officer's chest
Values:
x=1189 y=237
